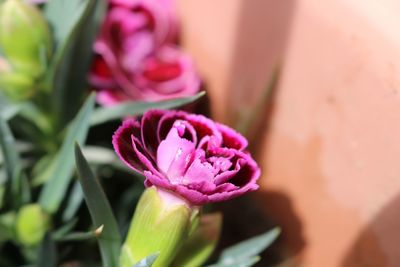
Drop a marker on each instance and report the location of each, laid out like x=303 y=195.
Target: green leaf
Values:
x=47 y=253
x=9 y=149
x=147 y=262
x=2 y=193
x=12 y=162
x=78 y=236
x=80 y=59
x=66 y=17
x=7 y=112
x=74 y=202
x=249 y=248
x=100 y=155
x=100 y=211
x=25 y=190
x=32 y=113
x=63 y=15
x=246 y=262
x=60 y=170
x=65 y=229
x=104 y=114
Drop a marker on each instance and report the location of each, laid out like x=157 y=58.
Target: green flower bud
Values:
x=17 y=86
x=24 y=37
x=161 y=224
x=31 y=225
x=201 y=242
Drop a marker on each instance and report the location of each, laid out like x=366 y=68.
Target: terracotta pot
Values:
x=331 y=150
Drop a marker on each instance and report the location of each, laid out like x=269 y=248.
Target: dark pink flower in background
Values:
x=136 y=57
x=188 y=155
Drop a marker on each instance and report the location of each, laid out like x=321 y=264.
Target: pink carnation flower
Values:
x=188 y=155
x=135 y=58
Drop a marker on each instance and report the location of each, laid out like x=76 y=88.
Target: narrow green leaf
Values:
x=12 y=162
x=105 y=114
x=41 y=170
x=47 y=253
x=101 y=156
x=100 y=211
x=61 y=168
x=246 y=262
x=63 y=16
x=66 y=18
x=7 y=112
x=2 y=194
x=25 y=190
x=75 y=200
x=9 y=149
x=64 y=230
x=32 y=113
x=78 y=236
x=249 y=248
x=147 y=262
x=80 y=58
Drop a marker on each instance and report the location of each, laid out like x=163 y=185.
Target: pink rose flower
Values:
x=188 y=155
x=135 y=58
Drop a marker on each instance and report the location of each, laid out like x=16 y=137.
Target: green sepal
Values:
x=201 y=243
x=157 y=227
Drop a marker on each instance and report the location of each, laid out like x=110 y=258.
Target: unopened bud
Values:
x=31 y=225
x=25 y=37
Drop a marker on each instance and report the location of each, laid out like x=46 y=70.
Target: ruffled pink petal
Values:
x=201 y=125
x=231 y=138
x=174 y=155
x=137 y=48
x=142 y=155
x=122 y=142
x=199 y=175
x=193 y=196
x=227 y=187
x=126 y=86
x=223 y=196
x=219 y=164
x=249 y=171
x=150 y=121
x=100 y=75
x=204 y=127
x=174 y=75
x=162 y=13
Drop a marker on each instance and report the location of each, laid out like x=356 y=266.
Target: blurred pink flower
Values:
x=188 y=155
x=135 y=55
